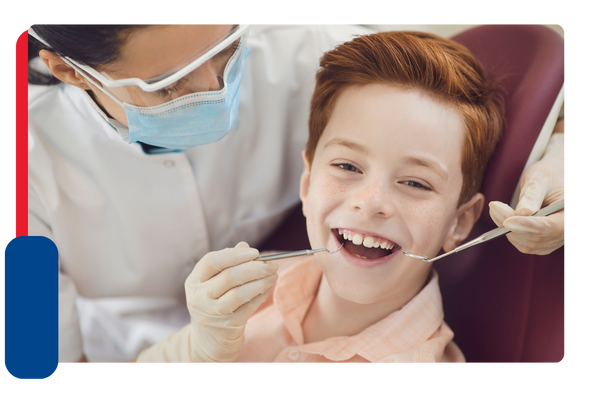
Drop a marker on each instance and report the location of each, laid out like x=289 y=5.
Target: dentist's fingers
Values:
x=550 y=225
x=245 y=311
x=530 y=235
x=535 y=187
x=237 y=297
x=240 y=275
x=215 y=262
x=500 y=212
x=536 y=235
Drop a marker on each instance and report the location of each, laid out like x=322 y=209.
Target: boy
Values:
x=402 y=126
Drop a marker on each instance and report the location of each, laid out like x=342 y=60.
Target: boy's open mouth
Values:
x=368 y=247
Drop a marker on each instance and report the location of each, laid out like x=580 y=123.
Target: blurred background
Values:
x=444 y=28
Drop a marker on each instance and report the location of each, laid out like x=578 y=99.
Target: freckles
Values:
x=332 y=189
x=425 y=218
x=329 y=189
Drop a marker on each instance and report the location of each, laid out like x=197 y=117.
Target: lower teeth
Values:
x=359 y=256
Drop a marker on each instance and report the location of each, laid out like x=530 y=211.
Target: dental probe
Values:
x=551 y=209
x=295 y=254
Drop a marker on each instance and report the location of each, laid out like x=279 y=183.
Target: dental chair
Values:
x=503 y=306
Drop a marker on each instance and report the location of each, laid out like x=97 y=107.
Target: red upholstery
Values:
x=502 y=305
x=528 y=60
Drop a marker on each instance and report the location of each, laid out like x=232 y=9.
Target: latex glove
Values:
x=542 y=184
x=223 y=291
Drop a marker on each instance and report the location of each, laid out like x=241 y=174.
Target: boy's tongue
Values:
x=365 y=252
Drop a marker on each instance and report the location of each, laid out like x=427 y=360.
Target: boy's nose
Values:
x=374 y=200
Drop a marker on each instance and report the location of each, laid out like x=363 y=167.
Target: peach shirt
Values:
x=415 y=333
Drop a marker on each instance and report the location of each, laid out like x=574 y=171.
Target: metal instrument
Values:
x=295 y=254
x=551 y=209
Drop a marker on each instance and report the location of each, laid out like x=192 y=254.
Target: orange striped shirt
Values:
x=415 y=333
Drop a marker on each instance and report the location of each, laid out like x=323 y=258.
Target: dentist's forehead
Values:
x=155 y=50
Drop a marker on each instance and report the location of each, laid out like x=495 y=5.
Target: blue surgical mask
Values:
x=191 y=120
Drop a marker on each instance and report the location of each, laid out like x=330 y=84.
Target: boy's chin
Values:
x=354 y=292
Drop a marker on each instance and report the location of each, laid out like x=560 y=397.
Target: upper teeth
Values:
x=367 y=241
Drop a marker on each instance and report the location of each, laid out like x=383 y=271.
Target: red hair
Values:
x=441 y=68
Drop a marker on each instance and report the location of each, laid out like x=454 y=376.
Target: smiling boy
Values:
x=392 y=189
x=402 y=126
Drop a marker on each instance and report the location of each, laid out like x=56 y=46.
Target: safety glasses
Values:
x=189 y=76
x=150 y=85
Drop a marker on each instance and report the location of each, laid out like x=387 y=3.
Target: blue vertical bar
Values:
x=31 y=307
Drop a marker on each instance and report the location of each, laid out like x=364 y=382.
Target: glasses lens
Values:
x=209 y=76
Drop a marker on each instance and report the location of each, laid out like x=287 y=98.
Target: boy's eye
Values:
x=347 y=167
x=416 y=185
x=352 y=168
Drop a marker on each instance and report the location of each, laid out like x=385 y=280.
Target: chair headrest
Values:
x=528 y=63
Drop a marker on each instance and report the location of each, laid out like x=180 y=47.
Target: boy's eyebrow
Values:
x=410 y=160
x=424 y=162
x=349 y=144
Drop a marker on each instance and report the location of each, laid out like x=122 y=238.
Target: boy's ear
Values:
x=304 y=182
x=466 y=216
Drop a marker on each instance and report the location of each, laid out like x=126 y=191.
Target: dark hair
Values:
x=92 y=45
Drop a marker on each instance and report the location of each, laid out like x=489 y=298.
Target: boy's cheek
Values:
x=428 y=231
x=325 y=188
x=323 y=198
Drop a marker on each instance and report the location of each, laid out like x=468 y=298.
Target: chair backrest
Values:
x=502 y=305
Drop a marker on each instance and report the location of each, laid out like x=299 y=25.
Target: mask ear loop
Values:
x=106 y=92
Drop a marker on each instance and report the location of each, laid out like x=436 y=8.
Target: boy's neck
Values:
x=331 y=316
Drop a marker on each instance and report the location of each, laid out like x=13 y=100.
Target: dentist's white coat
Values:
x=130 y=226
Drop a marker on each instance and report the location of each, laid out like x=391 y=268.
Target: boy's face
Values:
x=386 y=170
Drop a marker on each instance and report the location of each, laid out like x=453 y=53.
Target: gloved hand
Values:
x=223 y=291
x=542 y=184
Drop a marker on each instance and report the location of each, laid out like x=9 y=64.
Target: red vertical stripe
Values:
x=21 y=104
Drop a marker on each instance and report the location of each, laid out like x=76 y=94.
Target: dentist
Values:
x=153 y=146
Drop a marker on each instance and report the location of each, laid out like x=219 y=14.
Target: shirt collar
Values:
x=296 y=288
x=398 y=332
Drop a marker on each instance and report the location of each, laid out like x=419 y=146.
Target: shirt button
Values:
x=168 y=163
x=294 y=355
